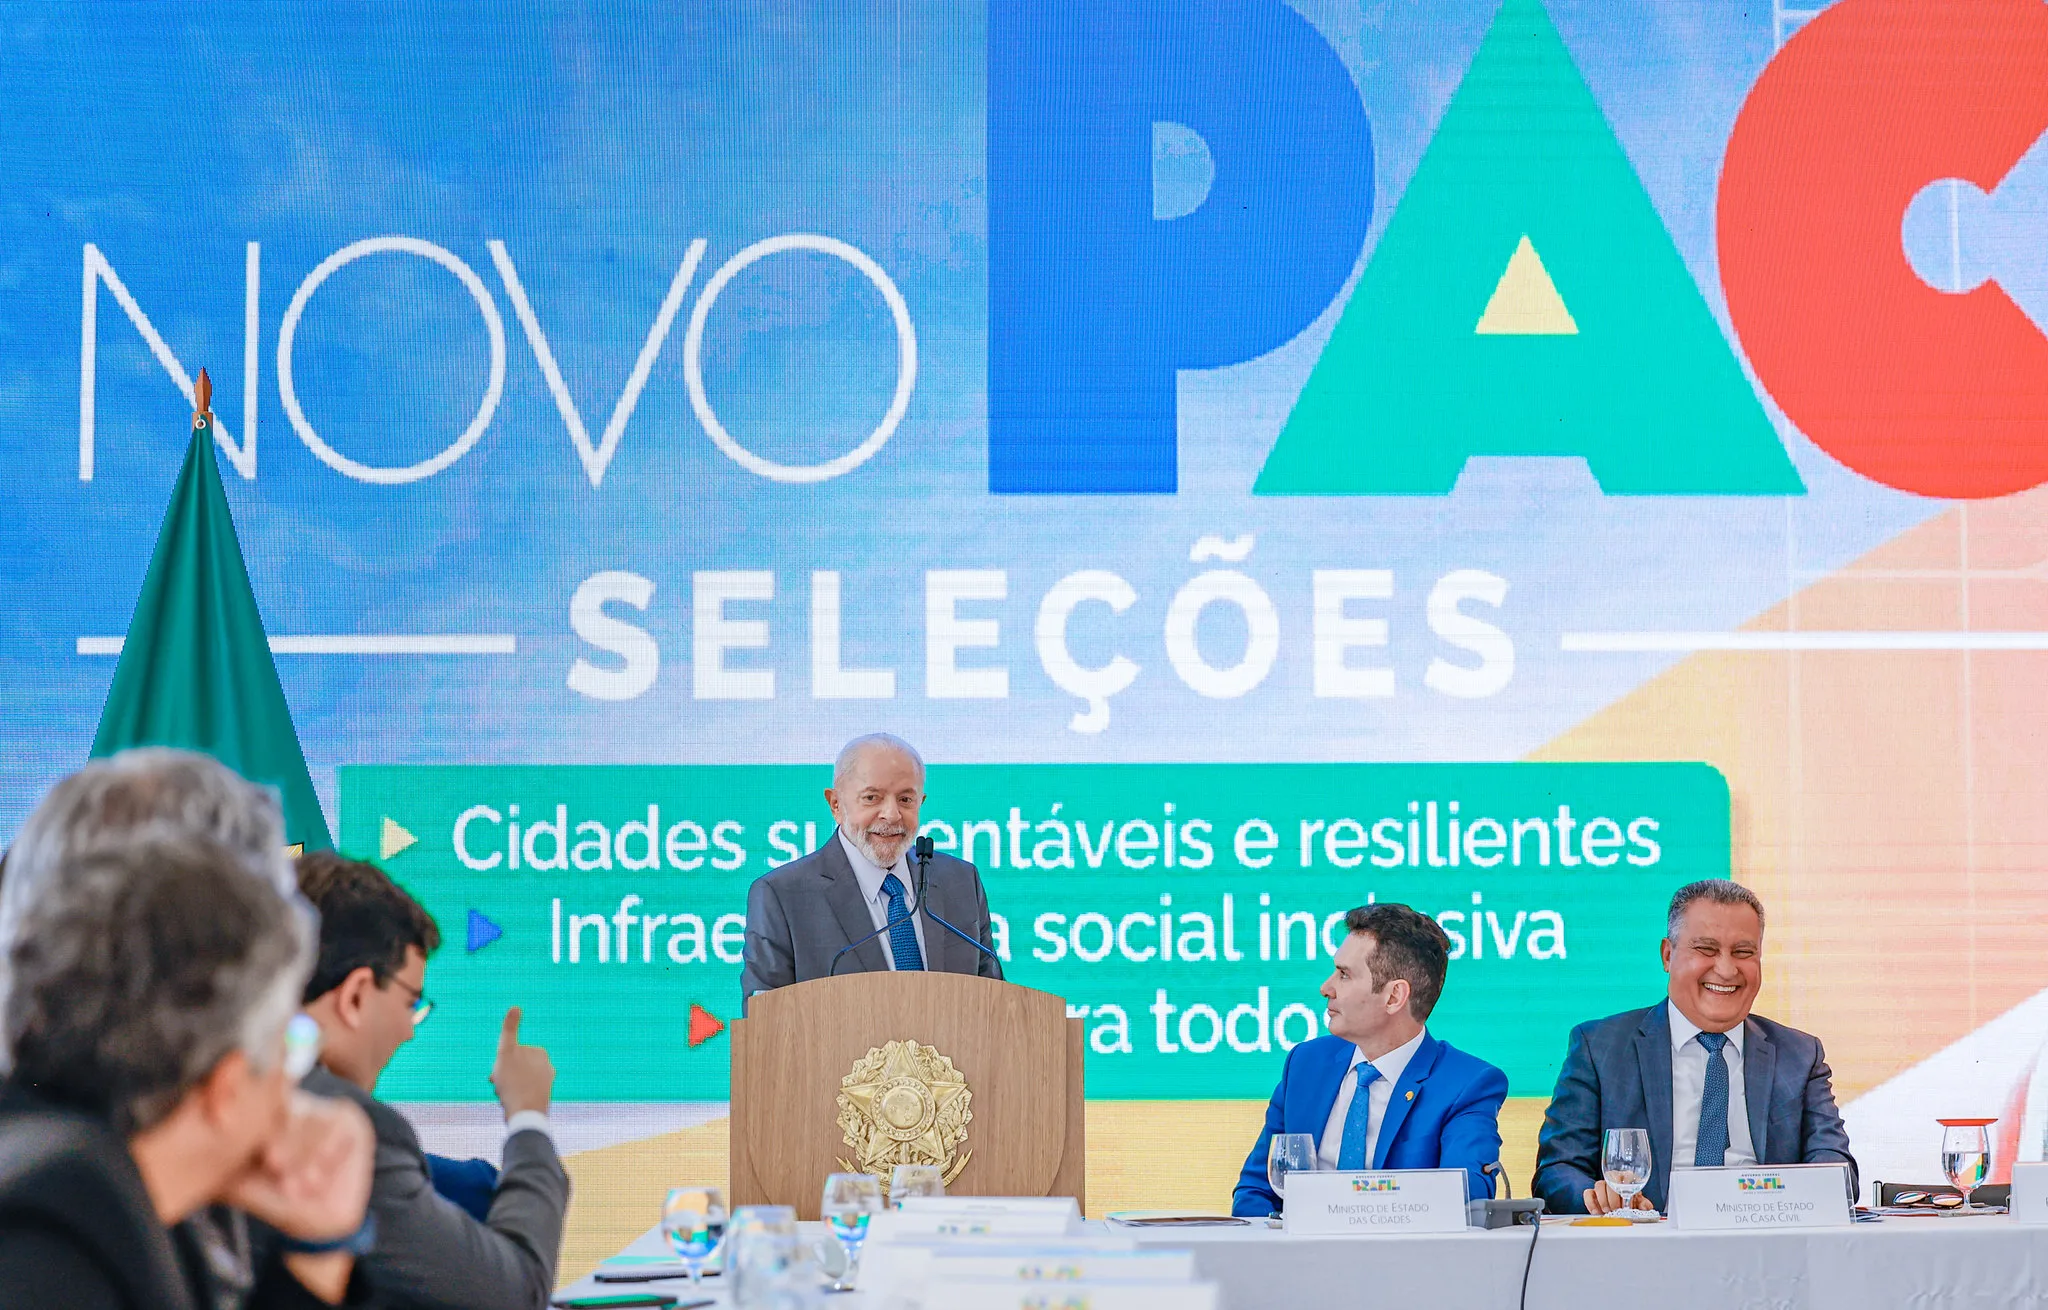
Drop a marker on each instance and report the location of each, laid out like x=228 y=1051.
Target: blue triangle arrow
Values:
x=482 y=932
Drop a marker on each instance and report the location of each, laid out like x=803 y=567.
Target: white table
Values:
x=1928 y=1264
x=651 y=1244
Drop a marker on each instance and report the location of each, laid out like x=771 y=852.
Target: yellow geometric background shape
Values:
x=1525 y=302
x=392 y=839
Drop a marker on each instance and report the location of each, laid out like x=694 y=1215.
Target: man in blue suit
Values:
x=1714 y=1084
x=1379 y=1092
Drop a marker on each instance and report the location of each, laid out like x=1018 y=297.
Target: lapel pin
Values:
x=1411 y=1095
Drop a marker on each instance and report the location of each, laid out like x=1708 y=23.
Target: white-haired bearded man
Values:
x=859 y=888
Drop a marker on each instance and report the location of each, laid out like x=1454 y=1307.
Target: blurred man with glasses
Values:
x=368 y=994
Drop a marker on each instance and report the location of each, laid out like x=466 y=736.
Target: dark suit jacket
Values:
x=78 y=1230
x=430 y=1252
x=1617 y=1074
x=802 y=914
x=1444 y=1114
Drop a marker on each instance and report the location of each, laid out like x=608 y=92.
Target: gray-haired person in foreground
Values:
x=151 y=1017
x=105 y=803
x=105 y=806
x=802 y=916
x=1714 y=1084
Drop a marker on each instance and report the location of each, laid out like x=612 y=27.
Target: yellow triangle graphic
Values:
x=1525 y=302
x=393 y=839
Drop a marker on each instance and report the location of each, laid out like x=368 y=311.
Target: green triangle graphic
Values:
x=1647 y=390
x=195 y=668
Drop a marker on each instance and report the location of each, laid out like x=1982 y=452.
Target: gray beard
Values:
x=865 y=847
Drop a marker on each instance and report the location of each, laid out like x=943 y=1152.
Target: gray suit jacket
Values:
x=430 y=1252
x=1617 y=1074
x=799 y=916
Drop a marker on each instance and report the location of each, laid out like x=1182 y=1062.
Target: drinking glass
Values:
x=693 y=1221
x=1625 y=1163
x=764 y=1258
x=915 y=1180
x=1290 y=1153
x=850 y=1201
x=1965 y=1154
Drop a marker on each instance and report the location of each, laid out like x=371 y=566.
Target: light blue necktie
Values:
x=1711 y=1150
x=903 y=930
x=1351 y=1151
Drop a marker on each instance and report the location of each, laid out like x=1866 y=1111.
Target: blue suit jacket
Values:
x=1617 y=1074
x=471 y=1184
x=1444 y=1114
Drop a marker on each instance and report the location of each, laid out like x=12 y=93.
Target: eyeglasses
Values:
x=421 y=1006
x=301 y=1046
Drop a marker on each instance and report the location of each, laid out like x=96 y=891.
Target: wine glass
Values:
x=1625 y=1163
x=693 y=1221
x=764 y=1259
x=915 y=1180
x=850 y=1201
x=1290 y=1153
x=1965 y=1154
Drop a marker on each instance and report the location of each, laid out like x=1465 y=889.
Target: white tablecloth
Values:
x=1927 y=1264
x=1924 y=1263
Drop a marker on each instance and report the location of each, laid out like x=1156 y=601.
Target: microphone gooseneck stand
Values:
x=921 y=854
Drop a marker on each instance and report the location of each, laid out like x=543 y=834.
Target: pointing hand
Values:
x=523 y=1076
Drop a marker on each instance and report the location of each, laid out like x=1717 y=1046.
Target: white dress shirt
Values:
x=870 y=875
x=1377 y=1096
x=1689 y=1084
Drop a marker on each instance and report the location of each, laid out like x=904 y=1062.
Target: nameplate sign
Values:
x=899 y=1224
x=1760 y=1196
x=2029 y=1203
x=1022 y=1216
x=1062 y=1207
x=967 y=1295
x=903 y=1263
x=1066 y=1267
x=1399 y=1201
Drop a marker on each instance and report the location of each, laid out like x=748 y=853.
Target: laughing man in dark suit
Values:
x=1713 y=1084
x=803 y=914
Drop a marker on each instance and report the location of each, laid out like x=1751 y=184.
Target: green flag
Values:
x=195 y=668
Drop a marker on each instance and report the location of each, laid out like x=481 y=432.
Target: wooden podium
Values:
x=1015 y=1048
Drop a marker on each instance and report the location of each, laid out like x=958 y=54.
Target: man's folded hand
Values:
x=1602 y=1199
x=312 y=1181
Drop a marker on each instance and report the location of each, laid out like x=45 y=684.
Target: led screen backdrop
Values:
x=1236 y=441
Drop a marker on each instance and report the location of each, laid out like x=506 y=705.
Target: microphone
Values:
x=1505 y=1212
x=862 y=942
x=923 y=852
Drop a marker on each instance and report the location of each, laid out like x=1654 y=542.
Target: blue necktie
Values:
x=903 y=932
x=1711 y=1150
x=1351 y=1151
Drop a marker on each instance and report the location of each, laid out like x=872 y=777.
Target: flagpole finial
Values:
x=202 y=396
